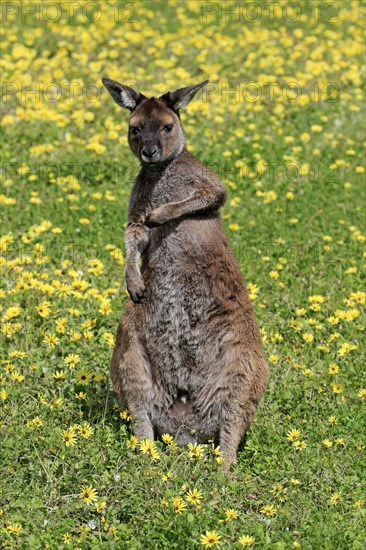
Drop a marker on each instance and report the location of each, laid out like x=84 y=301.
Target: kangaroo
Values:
x=188 y=357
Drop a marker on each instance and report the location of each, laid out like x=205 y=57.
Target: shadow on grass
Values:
x=102 y=406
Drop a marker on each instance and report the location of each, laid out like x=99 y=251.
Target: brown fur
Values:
x=188 y=357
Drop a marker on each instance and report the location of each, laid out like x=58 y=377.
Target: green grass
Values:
x=296 y=232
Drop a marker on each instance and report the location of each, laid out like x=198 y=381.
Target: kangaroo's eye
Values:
x=168 y=128
x=134 y=130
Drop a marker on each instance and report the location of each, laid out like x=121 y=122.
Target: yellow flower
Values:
x=194 y=496
x=89 y=495
x=16 y=377
x=83 y=377
x=41 y=399
x=60 y=325
x=105 y=307
x=11 y=312
x=362 y=393
x=71 y=360
x=51 y=340
x=8 y=329
x=67 y=538
x=100 y=507
x=210 y=538
x=132 y=442
x=44 y=308
x=216 y=450
x=37 y=422
x=316 y=298
x=167 y=438
x=147 y=446
x=85 y=430
x=74 y=336
x=337 y=388
x=125 y=415
x=346 y=348
x=333 y=368
x=268 y=510
x=293 y=435
x=253 y=291
x=277 y=489
x=335 y=498
x=179 y=505
x=81 y=396
x=231 y=514
x=246 y=540
x=327 y=443
x=69 y=437
x=14 y=528
x=195 y=451
x=96 y=267
x=299 y=445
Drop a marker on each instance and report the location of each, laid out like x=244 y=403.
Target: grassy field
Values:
x=281 y=123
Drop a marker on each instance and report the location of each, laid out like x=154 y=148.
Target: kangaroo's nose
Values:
x=149 y=153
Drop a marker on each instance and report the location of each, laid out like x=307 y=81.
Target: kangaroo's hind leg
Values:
x=132 y=379
x=247 y=378
x=235 y=424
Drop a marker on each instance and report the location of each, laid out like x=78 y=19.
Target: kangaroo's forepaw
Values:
x=160 y=215
x=136 y=290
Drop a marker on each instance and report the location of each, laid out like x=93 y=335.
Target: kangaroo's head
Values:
x=155 y=133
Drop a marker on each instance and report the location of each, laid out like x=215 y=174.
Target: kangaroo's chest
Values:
x=170 y=188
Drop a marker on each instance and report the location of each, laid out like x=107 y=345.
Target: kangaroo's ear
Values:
x=123 y=95
x=180 y=98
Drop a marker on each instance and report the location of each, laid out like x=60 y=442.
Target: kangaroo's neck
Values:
x=153 y=173
x=155 y=184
